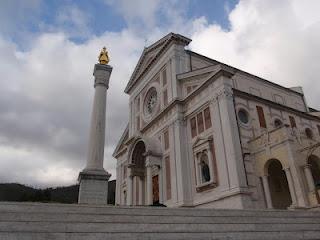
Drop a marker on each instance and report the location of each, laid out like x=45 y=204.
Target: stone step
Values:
x=152 y=227
x=106 y=218
x=26 y=221
x=156 y=211
x=295 y=235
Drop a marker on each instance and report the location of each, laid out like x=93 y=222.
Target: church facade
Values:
x=208 y=135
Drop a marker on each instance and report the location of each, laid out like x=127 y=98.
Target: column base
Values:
x=93 y=187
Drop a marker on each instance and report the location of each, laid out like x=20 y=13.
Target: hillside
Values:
x=69 y=194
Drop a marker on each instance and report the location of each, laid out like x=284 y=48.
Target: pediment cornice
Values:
x=151 y=54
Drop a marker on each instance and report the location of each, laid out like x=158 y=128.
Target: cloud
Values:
x=278 y=40
x=73 y=21
x=17 y=15
x=46 y=100
x=137 y=12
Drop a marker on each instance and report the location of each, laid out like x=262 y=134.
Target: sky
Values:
x=48 y=50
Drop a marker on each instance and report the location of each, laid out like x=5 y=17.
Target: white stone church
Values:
x=204 y=134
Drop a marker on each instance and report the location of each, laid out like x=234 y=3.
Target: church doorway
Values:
x=279 y=189
x=155 y=189
x=138 y=171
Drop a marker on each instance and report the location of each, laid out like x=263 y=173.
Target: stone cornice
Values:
x=239 y=93
x=235 y=70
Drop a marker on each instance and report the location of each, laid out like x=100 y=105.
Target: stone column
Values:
x=94 y=179
x=141 y=190
x=161 y=200
x=266 y=188
x=129 y=190
x=291 y=186
x=149 y=186
x=310 y=181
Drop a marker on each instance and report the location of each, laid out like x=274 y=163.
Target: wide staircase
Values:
x=34 y=221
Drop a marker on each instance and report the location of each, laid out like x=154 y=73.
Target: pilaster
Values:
x=182 y=164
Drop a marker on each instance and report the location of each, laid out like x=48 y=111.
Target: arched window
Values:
x=308 y=133
x=277 y=122
x=204 y=167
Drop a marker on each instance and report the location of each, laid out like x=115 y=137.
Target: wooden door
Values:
x=155 y=189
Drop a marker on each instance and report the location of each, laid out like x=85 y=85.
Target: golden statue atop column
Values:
x=104 y=57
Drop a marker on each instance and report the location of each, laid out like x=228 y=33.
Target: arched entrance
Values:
x=138 y=155
x=138 y=172
x=279 y=189
x=144 y=182
x=314 y=163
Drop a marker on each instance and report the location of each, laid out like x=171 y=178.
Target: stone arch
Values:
x=138 y=156
x=279 y=189
x=143 y=155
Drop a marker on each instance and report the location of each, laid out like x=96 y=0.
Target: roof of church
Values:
x=123 y=137
x=151 y=53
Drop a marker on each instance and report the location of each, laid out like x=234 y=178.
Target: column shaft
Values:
x=267 y=193
x=149 y=186
x=141 y=190
x=161 y=200
x=129 y=190
x=310 y=181
x=97 y=129
x=291 y=186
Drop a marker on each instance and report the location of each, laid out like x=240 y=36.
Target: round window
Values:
x=243 y=116
x=150 y=101
x=309 y=133
x=277 y=122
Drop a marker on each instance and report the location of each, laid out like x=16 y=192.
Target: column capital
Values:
x=286 y=169
x=223 y=93
x=101 y=75
x=307 y=166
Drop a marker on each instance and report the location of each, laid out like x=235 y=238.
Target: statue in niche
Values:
x=205 y=171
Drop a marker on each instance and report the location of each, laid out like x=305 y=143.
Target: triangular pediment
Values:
x=199 y=141
x=150 y=55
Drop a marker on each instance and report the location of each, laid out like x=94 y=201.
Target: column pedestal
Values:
x=93 y=187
